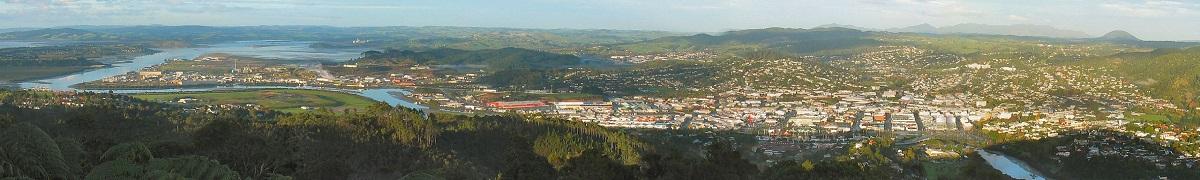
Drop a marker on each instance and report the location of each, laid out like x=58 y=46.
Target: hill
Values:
x=1172 y=74
x=112 y=136
x=58 y=34
x=69 y=135
x=920 y=28
x=4 y=30
x=785 y=40
x=1118 y=35
x=73 y=55
x=29 y=63
x=505 y=58
x=1123 y=37
x=847 y=26
x=778 y=59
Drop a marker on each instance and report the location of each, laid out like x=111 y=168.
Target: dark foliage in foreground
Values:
x=59 y=135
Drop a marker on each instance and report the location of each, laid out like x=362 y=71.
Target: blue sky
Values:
x=1149 y=19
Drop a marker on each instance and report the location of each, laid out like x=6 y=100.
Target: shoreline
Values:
x=88 y=87
x=385 y=95
x=35 y=79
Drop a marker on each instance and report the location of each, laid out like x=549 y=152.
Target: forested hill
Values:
x=786 y=40
x=845 y=41
x=59 y=34
x=69 y=135
x=74 y=55
x=1172 y=74
x=60 y=135
x=505 y=58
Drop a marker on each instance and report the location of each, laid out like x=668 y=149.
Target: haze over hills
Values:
x=1119 y=35
x=1015 y=30
x=4 y=30
x=920 y=28
x=847 y=26
x=58 y=34
x=982 y=29
x=505 y=58
x=788 y=40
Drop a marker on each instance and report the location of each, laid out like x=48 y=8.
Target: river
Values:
x=1010 y=166
x=272 y=49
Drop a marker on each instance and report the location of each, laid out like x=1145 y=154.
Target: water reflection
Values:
x=1010 y=166
x=287 y=50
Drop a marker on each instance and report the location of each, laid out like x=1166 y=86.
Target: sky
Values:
x=1148 y=19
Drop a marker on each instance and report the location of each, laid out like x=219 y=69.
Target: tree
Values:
x=134 y=152
x=808 y=165
x=135 y=161
x=73 y=154
x=525 y=165
x=27 y=151
x=592 y=90
x=595 y=165
x=670 y=166
x=727 y=163
x=788 y=169
x=558 y=147
x=372 y=54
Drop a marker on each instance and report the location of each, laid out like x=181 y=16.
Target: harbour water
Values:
x=283 y=50
x=13 y=44
x=1010 y=166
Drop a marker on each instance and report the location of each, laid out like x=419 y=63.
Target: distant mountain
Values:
x=847 y=26
x=1014 y=30
x=920 y=28
x=1119 y=35
x=783 y=40
x=401 y=37
x=58 y=34
x=505 y=58
x=1123 y=37
x=4 y=30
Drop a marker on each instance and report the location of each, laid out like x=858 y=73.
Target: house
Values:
x=516 y=104
x=150 y=74
x=187 y=100
x=582 y=105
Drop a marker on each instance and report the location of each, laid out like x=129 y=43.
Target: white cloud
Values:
x=1152 y=8
x=1014 y=17
x=929 y=8
x=122 y=7
x=72 y=12
x=285 y=4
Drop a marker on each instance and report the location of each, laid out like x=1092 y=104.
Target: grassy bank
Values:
x=286 y=100
x=22 y=73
